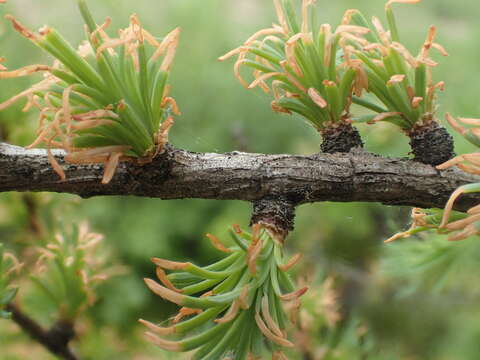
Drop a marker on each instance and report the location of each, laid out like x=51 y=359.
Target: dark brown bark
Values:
x=277 y=215
x=340 y=138
x=179 y=174
x=431 y=144
x=54 y=340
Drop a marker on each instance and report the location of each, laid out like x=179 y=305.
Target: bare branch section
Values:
x=179 y=174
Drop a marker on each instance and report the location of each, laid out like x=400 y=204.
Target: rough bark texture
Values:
x=431 y=144
x=179 y=174
x=341 y=138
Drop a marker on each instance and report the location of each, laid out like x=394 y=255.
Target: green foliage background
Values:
x=218 y=116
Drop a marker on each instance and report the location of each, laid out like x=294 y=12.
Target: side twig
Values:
x=55 y=340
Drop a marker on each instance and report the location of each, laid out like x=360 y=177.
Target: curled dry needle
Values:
x=230 y=308
x=402 y=83
x=459 y=225
x=106 y=102
x=307 y=70
x=469 y=163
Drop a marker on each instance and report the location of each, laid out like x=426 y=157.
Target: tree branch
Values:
x=55 y=340
x=179 y=174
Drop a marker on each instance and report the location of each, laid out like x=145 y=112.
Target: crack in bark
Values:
x=180 y=174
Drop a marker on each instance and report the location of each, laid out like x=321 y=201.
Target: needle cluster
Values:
x=232 y=308
x=105 y=102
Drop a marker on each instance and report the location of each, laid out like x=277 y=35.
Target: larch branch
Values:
x=180 y=174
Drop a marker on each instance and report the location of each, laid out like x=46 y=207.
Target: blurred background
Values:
x=415 y=293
